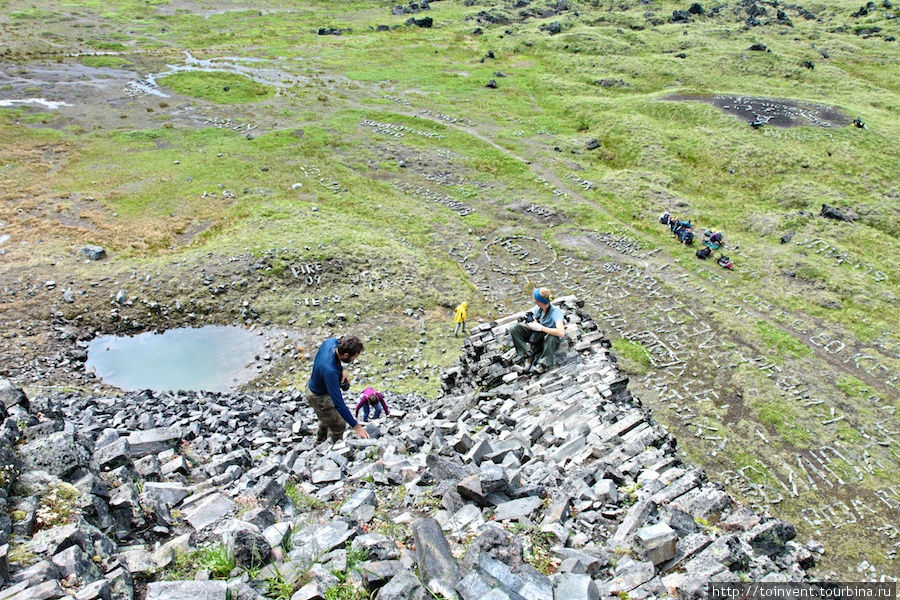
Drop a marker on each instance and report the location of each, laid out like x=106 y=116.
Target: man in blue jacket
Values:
x=323 y=392
x=545 y=331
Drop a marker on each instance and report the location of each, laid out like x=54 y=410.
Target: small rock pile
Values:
x=509 y=486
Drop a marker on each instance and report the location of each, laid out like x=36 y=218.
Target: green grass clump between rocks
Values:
x=633 y=356
x=221 y=87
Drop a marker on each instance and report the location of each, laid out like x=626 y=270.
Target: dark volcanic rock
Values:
x=551 y=28
x=247 y=545
x=436 y=563
x=94 y=252
x=58 y=454
x=770 y=538
x=425 y=22
x=830 y=212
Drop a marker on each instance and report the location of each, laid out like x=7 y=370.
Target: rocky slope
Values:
x=508 y=486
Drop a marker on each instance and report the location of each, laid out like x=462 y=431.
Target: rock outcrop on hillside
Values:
x=510 y=485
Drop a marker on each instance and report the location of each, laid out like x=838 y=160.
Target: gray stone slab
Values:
x=313 y=541
x=98 y=590
x=153 y=441
x=462 y=518
x=630 y=574
x=11 y=395
x=358 y=499
x=46 y=590
x=115 y=454
x=376 y=573
x=436 y=563
x=402 y=586
x=73 y=561
x=657 y=542
x=58 y=454
x=209 y=510
x=528 y=582
x=187 y=590
x=517 y=509
x=636 y=516
x=165 y=494
x=568 y=586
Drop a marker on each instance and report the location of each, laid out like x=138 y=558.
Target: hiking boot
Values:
x=538 y=368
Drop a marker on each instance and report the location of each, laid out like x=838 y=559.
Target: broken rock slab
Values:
x=657 y=542
x=58 y=454
x=187 y=590
x=247 y=545
x=436 y=563
x=568 y=586
x=517 y=509
x=209 y=510
x=403 y=586
x=11 y=396
x=314 y=540
x=359 y=499
x=527 y=582
x=769 y=538
x=164 y=494
x=153 y=441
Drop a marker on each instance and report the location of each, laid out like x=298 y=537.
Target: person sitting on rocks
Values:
x=460 y=318
x=371 y=400
x=323 y=392
x=544 y=332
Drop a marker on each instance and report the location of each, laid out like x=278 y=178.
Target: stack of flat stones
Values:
x=508 y=486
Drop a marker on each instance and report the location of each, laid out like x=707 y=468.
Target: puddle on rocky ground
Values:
x=214 y=358
x=774 y=112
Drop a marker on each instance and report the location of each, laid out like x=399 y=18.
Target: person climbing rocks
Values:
x=374 y=401
x=544 y=331
x=460 y=318
x=324 y=389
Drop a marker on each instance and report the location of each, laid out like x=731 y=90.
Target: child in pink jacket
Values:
x=371 y=400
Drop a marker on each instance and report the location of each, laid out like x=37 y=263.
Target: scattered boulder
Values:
x=424 y=22
x=247 y=545
x=94 y=252
x=551 y=28
x=830 y=212
x=58 y=454
x=436 y=563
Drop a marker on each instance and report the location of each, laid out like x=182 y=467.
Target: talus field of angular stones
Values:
x=509 y=486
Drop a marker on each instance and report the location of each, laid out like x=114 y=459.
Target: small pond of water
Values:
x=212 y=358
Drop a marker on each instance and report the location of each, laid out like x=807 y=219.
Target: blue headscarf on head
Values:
x=539 y=298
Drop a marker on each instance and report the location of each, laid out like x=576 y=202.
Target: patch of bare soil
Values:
x=774 y=112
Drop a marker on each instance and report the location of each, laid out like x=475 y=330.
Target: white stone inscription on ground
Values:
x=774 y=112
